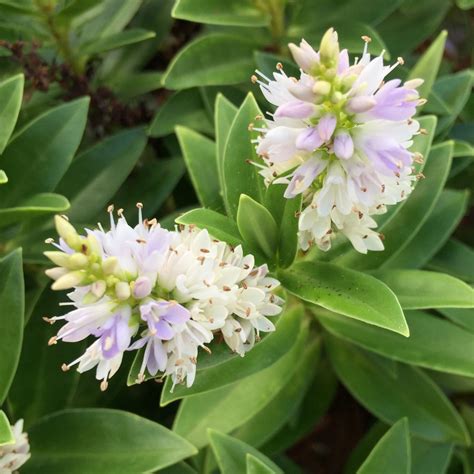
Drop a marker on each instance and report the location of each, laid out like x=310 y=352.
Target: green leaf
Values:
x=12 y=307
x=448 y=212
x=281 y=408
x=3 y=177
x=304 y=417
x=45 y=203
x=206 y=61
x=455 y=258
x=39 y=370
x=403 y=226
x=38 y=156
x=231 y=406
x=214 y=12
x=434 y=343
x=6 y=434
x=462 y=317
x=465 y=4
x=427 y=66
x=392 y=453
x=102 y=440
x=347 y=292
x=454 y=90
x=288 y=247
x=240 y=176
x=432 y=458
x=257 y=226
x=224 y=114
x=231 y=454
x=133 y=85
x=78 y=11
x=218 y=225
x=200 y=156
x=418 y=289
x=11 y=93
x=255 y=466
x=116 y=40
x=184 y=108
x=97 y=173
x=408 y=393
x=233 y=367
x=462 y=148
x=150 y=183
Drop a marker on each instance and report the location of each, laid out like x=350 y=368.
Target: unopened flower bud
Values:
x=343 y=145
x=304 y=55
x=122 y=290
x=295 y=109
x=326 y=127
x=69 y=280
x=329 y=48
x=78 y=261
x=142 y=287
x=414 y=83
x=94 y=244
x=322 y=87
x=59 y=258
x=98 y=288
x=361 y=104
x=56 y=272
x=110 y=265
x=67 y=232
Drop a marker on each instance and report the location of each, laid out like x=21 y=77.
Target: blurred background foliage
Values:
x=97 y=89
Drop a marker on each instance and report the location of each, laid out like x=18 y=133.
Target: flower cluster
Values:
x=168 y=292
x=13 y=456
x=340 y=136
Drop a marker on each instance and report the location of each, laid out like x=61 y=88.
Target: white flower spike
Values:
x=168 y=292
x=340 y=136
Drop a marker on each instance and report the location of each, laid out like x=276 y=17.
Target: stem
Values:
x=276 y=10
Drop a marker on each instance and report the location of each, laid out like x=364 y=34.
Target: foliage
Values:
x=107 y=101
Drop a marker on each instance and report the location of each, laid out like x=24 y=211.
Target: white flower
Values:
x=340 y=136
x=13 y=456
x=166 y=292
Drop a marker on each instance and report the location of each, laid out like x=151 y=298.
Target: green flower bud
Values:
x=122 y=290
x=67 y=232
x=59 y=258
x=329 y=48
x=69 y=280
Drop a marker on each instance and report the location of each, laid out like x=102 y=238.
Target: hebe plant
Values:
x=153 y=104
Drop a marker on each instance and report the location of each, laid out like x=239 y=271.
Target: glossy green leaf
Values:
x=256 y=466
x=231 y=454
x=78 y=11
x=38 y=156
x=455 y=258
x=346 y=292
x=136 y=84
x=150 y=183
x=427 y=66
x=418 y=289
x=281 y=408
x=3 y=177
x=101 y=440
x=224 y=115
x=229 y=407
x=408 y=393
x=257 y=226
x=240 y=176
x=462 y=148
x=200 y=156
x=206 y=61
x=403 y=226
x=463 y=317
x=12 y=307
x=230 y=370
x=97 y=173
x=6 y=434
x=288 y=247
x=215 y=12
x=45 y=203
x=39 y=370
x=184 y=108
x=116 y=40
x=392 y=453
x=434 y=343
x=218 y=225
x=304 y=417
x=11 y=93
x=432 y=458
x=448 y=212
